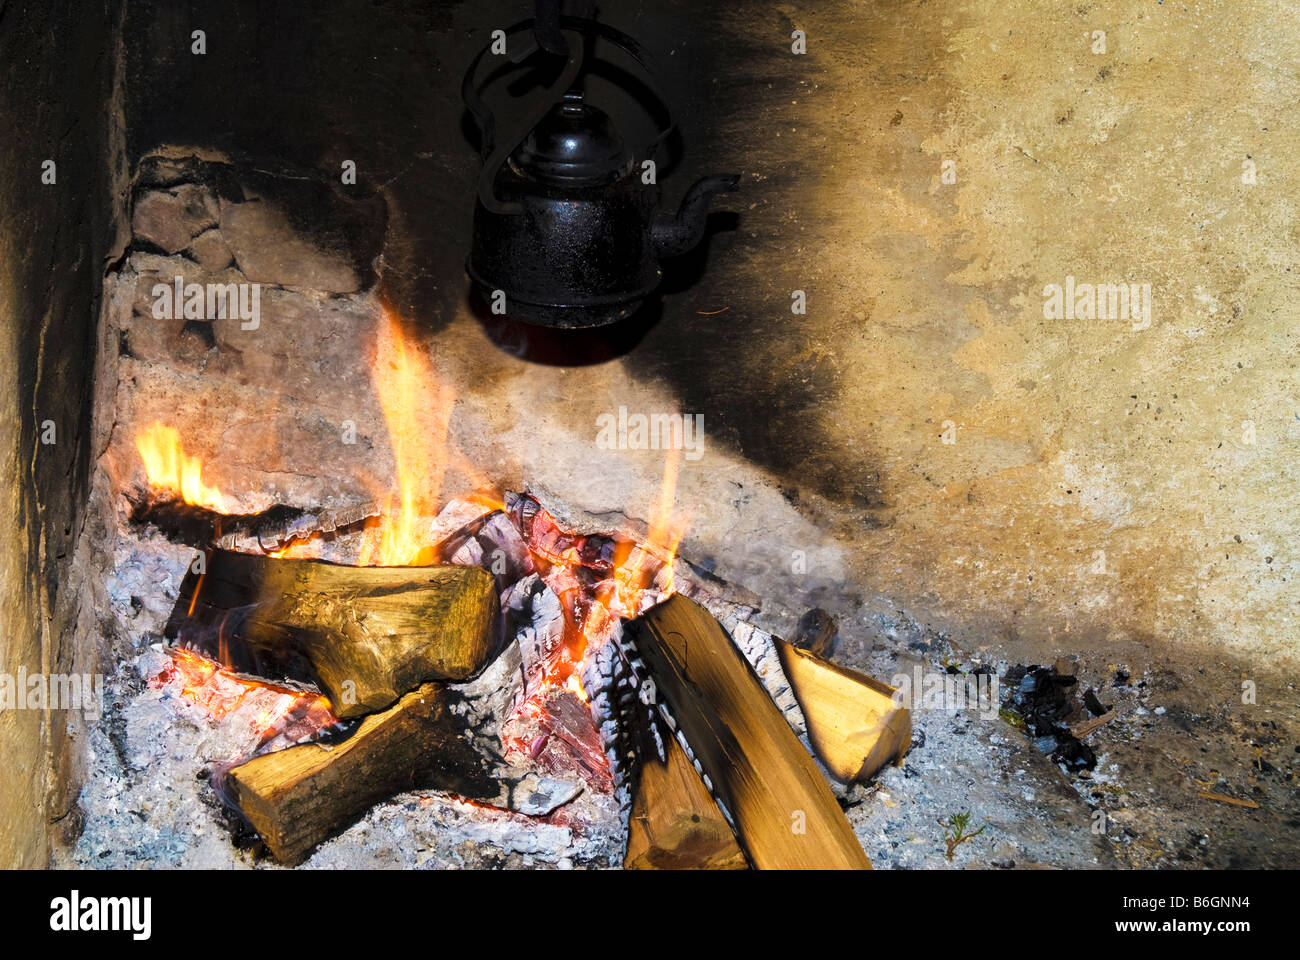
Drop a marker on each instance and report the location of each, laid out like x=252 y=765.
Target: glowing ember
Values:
x=309 y=549
x=168 y=468
x=219 y=694
x=570 y=562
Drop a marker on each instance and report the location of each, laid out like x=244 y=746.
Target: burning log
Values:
x=492 y=542
x=766 y=783
x=296 y=798
x=202 y=527
x=271 y=532
x=853 y=723
x=675 y=825
x=440 y=736
x=365 y=635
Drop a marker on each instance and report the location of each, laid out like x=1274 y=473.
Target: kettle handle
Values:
x=495 y=155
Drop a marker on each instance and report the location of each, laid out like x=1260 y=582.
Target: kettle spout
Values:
x=676 y=235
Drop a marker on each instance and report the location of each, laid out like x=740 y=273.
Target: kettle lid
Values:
x=575 y=144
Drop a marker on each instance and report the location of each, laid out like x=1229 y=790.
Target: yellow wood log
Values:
x=783 y=811
x=854 y=724
x=675 y=825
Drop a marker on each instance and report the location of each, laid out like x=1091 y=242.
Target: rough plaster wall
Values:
x=1073 y=436
x=55 y=73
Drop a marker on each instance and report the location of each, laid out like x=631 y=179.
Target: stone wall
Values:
x=56 y=76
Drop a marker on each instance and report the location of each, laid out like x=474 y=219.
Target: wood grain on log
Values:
x=675 y=825
x=769 y=786
x=365 y=635
x=853 y=723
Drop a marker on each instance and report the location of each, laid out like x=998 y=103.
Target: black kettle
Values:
x=567 y=233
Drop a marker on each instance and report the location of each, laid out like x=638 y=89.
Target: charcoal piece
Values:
x=492 y=542
x=1075 y=754
x=1095 y=706
x=534 y=617
x=1045 y=699
x=818 y=633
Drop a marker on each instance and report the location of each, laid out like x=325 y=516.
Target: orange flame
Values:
x=417 y=407
x=169 y=468
x=635 y=571
x=637 y=566
x=417 y=410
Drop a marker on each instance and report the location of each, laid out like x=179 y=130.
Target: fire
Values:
x=169 y=468
x=600 y=579
x=299 y=550
x=636 y=570
x=637 y=567
x=274 y=710
x=410 y=394
x=417 y=410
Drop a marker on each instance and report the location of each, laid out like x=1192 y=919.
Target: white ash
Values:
x=492 y=542
x=433 y=831
x=623 y=709
x=961 y=762
x=760 y=650
x=534 y=612
x=143 y=580
x=487 y=703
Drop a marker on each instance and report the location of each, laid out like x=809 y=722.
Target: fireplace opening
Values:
x=823 y=549
x=327 y=615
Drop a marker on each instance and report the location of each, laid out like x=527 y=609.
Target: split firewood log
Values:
x=675 y=825
x=766 y=783
x=439 y=736
x=848 y=720
x=296 y=798
x=853 y=723
x=364 y=635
